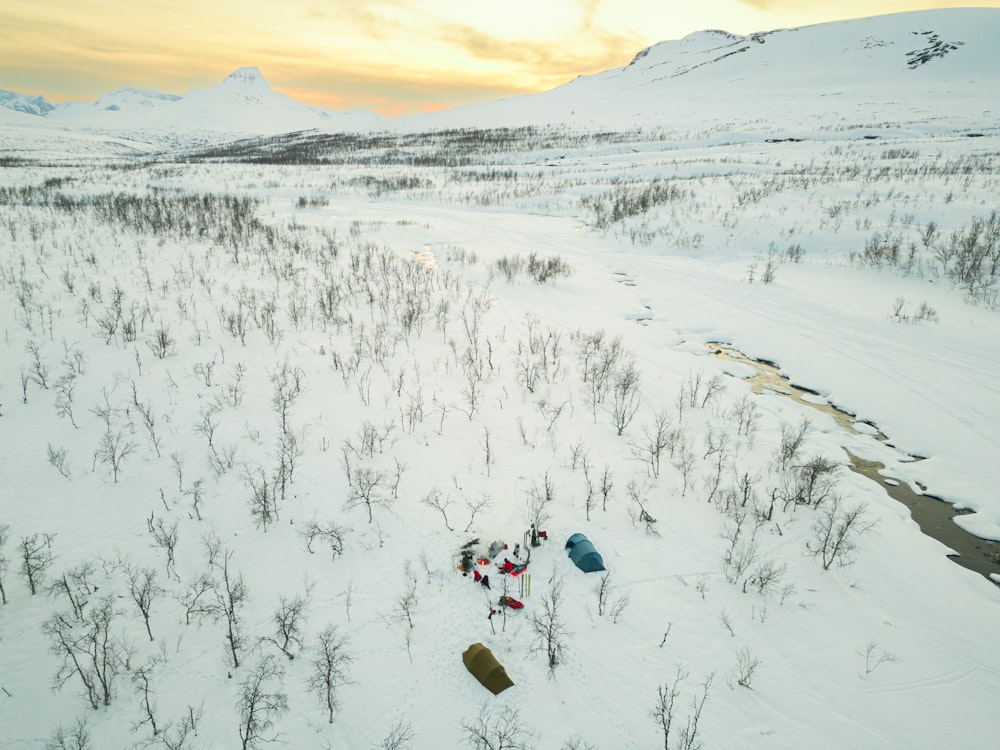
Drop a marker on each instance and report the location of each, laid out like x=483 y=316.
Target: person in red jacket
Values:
x=507 y=566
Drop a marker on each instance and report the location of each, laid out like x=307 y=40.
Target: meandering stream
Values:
x=933 y=515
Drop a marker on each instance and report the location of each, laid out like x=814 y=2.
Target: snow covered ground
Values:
x=233 y=391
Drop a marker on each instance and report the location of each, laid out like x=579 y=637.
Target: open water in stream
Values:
x=932 y=515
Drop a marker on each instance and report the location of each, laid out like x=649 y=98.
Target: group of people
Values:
x=507 y=567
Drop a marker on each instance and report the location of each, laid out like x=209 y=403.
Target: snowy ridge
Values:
x=895 y=68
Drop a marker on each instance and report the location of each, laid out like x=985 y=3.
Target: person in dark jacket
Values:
x=485 y=582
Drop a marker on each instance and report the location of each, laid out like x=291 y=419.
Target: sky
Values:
x=394 y=57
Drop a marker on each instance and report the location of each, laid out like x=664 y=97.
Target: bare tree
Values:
x=162 y=342
x=366 y=491
x=474 y=506
x=590 y=497
x=230 y=596
x=766 y=577
x=606 y=602
x=639 y=514
x=603 y=591
x=874 y=656
x=712 y=390
x=4 y=536
x=835 y=530
x=330 y=533
x=547 y=624
x=90 y=651
x=198 y=599
x=263 y=496
x=145 y=410
x=289 y=619
x=406 y=604
x=489 y=454
x=165 y=537
x=746 y=667
x=38 y=371
x=665 y=712
x=399 y=737
x=289 y=453
x=656 y=440
x=540 y=497
x=743 y=545
x=77 y=737
x=329 y=669
x=440 y=502
x=491 y=731
x=65 y=386
x=57 y=457
x=745 y=413
x=288 y=383
x=141 y=680
x=261 y=703
x=815 y=481
x=114 y=448
x=76 y=585
x=143 y=588
x=36 y=558
x=624 y=396
x=607 y=486
x=684 y=463
x=792 y=439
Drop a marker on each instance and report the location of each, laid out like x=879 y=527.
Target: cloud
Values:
x=577 y=53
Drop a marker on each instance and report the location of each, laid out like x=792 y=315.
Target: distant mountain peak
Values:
x=27 y=103
x=247 y=77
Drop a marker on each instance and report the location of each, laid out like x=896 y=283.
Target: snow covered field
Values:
x=254 y=400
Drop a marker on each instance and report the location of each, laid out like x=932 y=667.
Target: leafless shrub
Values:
x=76 y=737
x=57 y=457
x=492 y=731
x=399 y=737
x=874 y=656
x=330 y=533
x=746 y=667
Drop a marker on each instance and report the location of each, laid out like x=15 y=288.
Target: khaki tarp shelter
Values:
x=480 y=661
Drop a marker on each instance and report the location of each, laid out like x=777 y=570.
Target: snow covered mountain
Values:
x=936 y=68
x=243 y=103
x=930 y=70
x=32 y=105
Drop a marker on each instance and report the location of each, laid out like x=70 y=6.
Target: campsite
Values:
x=270 y=401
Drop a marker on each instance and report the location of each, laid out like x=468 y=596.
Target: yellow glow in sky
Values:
x=392 y=56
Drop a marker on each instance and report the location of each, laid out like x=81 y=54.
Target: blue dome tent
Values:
x=581 y=551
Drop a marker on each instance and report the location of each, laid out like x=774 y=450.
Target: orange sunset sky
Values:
x=391 y=56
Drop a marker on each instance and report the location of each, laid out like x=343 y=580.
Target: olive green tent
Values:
x=480 y=661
